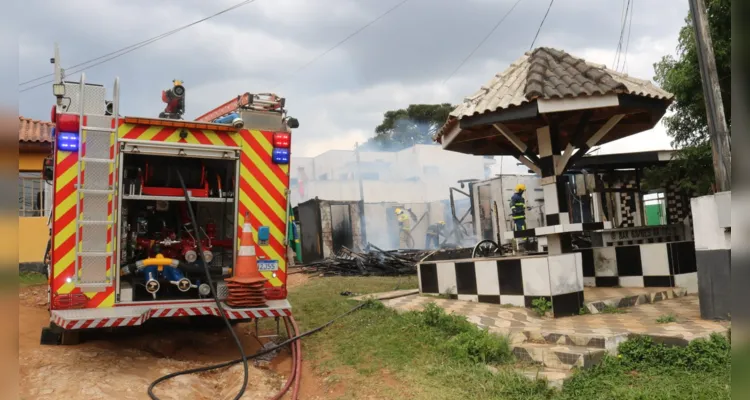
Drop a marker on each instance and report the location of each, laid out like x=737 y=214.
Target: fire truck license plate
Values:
x=268 y=265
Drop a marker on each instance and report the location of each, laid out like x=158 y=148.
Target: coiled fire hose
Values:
x=289 y=322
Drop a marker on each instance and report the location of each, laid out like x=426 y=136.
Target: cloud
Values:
x=401 y=59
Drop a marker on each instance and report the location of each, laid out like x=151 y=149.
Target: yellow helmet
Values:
x=520 y=187
x=398 y=211
x=441 y=222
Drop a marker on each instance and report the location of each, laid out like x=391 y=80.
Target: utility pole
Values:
x=717 y=123
x=362 y=223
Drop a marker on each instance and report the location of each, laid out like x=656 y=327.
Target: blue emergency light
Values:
x=280 y=156
x=67 y=141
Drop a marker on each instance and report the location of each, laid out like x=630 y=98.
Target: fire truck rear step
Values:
x=121 y=316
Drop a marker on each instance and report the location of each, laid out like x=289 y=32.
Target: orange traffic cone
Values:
x=246 y=287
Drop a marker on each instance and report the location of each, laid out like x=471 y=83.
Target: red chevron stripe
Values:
x=163 y=134
x=66 y=163
x=227 y=139
x=63 y=222
x=136 y=132
x=201 y=137
x=276 y=168
x=245 y=187
x=257 y=199
x=263 y=180
x=66 y=246
x=265 y=157
x=99 y=298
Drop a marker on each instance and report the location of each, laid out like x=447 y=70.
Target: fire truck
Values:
x=124 y=249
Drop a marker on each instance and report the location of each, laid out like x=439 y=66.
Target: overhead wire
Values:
x=341 y=42
x=481 y=42
x=128 y=49
x=623 y=23
x=627 y=42
x=541 y=24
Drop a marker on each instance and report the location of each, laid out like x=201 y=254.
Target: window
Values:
x=31 y=195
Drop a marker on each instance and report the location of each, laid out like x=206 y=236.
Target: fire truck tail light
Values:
x=281 y=140
x=53 y=114
x=280 y=156
x=68 y=122
x=67 y=141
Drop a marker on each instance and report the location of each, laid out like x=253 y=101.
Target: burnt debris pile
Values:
x=372 y=262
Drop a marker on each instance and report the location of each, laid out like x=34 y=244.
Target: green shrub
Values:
x=464 y=340
x=699 y=355
x=479 y=346
x=452 y=324
x=541 y=306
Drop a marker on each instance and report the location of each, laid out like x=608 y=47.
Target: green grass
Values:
x=432 y=355
x=665 y=319
x=646 y=370
x=31 y=279
x=613 y=310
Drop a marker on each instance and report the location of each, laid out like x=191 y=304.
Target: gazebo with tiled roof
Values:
x=547 y=110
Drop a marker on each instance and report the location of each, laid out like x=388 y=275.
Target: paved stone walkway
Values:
x=596 y=330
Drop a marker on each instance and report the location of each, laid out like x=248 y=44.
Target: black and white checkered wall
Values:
x=513 y=281
x=649 y=265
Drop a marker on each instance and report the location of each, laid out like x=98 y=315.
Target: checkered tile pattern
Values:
x=628 y=210
x=649 y=265
x=663 y=239
x=678 y=206
x=509 y=281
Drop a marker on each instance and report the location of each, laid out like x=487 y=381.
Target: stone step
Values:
x=558 y=356
x=599 y=306
x=607 y=342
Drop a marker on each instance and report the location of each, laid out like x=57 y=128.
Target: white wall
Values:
x=707 y=230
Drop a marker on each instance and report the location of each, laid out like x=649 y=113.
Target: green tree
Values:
x=405 y=127
x=687 y=126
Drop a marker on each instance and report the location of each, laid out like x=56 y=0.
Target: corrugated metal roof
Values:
x=548 y=73
x=31 y=130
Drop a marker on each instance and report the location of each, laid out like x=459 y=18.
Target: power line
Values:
x=541 y=24
x=623 y=21
x=319 y=56
x=627 y=42
x=133 y=47
x=481 y=43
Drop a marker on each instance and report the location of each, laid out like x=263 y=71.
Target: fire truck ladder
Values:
x=247 y=101
x=96 y=164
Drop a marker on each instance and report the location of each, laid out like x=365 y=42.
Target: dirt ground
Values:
x=122 y=364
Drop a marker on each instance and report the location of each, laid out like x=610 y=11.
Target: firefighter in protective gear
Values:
x=518 y=207
x=404 y=224
x=433 y=235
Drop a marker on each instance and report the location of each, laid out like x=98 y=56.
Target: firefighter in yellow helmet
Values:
x=433 y=235
x=404 y=224
x=518 y=207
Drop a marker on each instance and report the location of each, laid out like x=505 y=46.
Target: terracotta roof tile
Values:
x=30 y=130
x=548 y=73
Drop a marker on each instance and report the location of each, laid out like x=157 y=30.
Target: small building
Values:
x=34 y=194
x=326 y=226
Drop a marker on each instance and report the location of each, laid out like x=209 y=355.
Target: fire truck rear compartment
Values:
x=155 y=224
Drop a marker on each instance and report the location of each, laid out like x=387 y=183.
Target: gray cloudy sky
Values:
x=401 y=59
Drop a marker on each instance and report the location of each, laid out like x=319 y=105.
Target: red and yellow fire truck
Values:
x=124 y=249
